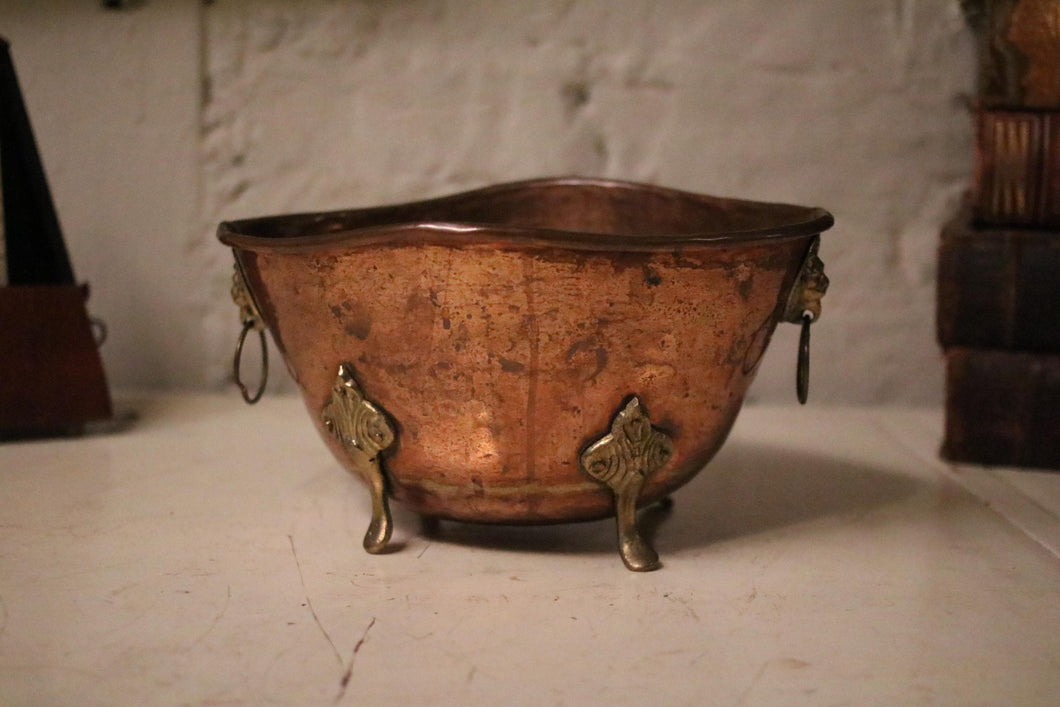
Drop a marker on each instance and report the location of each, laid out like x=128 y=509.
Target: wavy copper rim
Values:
x=301 y=232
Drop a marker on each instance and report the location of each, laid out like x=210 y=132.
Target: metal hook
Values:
x=802 y=372
x=251 y=399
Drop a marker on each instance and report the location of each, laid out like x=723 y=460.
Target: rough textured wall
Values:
x=854 y=105
x=114 y=101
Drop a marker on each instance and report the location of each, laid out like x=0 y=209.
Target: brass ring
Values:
x=251 y=399
x=802 y=372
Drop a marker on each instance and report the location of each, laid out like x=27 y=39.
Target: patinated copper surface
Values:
x=502 y=329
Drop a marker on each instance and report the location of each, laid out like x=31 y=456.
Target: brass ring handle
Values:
x=804 y=307
x=802 y=370
x=264 y=377
x=251 y=318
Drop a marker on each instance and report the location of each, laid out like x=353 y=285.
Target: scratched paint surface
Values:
x=212 y=555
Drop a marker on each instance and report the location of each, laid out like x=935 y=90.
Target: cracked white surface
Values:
x=212 y=554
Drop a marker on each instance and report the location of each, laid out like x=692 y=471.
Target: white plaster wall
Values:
x=158 y=121
x=114 y=101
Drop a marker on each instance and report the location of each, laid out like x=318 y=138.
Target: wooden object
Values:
x=51 y=376
x=35 y=250
x=998 y=287
x=1002 y=407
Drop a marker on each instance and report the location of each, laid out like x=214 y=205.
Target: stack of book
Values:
x=999 y=256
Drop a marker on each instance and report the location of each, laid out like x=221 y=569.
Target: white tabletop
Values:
x=210 y=554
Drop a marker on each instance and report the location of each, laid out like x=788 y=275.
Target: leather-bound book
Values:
x=1018 y=51
x=1002 y=408
x=998 y=287
x=1017 y=167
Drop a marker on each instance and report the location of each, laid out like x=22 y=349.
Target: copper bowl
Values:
x=543 y=351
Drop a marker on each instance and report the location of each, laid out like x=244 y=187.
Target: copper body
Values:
x=501 y=329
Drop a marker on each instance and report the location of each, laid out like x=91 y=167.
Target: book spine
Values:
x=998 y=288
x=1017 y=173
x=1003 y=408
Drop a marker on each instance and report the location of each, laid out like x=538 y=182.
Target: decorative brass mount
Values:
x=364 y=431
x=623 y=459
x=810 y=286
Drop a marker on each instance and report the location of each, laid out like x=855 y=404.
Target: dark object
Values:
x=126 y=4
x=36 y=253
x=51 y=376
x=998 y=287
x=1017 y=173
x=998 y=311
x=1002 y=407
x=1018 y=43
x=802 y=370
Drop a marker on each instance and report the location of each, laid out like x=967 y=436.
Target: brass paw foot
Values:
x=636 y=553
x=381 y=527
x=623 y=459
x=364 y=431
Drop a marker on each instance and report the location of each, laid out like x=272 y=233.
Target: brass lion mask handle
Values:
x=804 y=307
x=251 y=318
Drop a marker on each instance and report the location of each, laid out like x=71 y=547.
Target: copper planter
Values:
x=544 y=351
